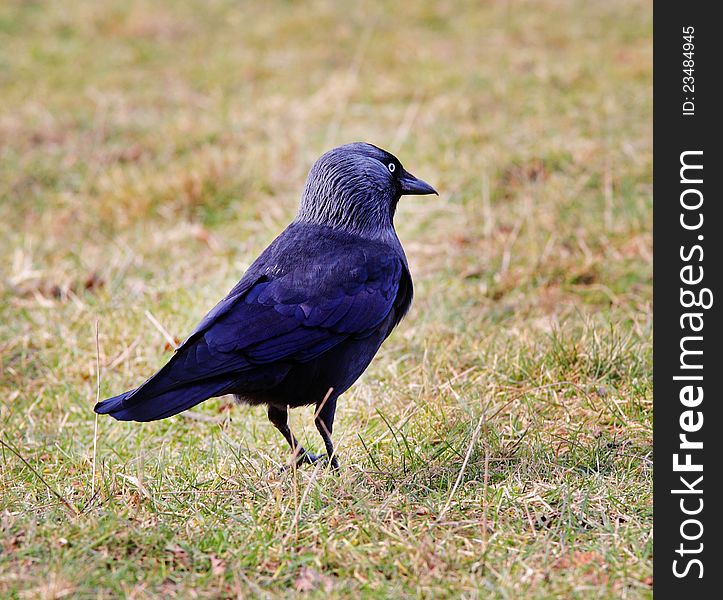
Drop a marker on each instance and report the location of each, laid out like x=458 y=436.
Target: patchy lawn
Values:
x=500 y=443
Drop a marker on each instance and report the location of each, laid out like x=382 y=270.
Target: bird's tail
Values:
x=135 y=405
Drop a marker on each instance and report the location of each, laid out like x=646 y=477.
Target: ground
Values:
x=500 y=443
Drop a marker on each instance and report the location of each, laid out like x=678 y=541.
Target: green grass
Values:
x=500 y=443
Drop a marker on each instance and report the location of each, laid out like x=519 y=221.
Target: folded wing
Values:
x=276 y=318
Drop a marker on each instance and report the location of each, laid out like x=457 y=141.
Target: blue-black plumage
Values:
x=310 y=313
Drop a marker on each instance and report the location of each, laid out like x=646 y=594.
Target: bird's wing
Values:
x=306 y=311
x=295 y=316
x=222 y=307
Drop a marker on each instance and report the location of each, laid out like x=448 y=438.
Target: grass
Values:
x=500 y=443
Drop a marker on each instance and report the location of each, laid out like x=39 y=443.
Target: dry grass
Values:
x=500 y=444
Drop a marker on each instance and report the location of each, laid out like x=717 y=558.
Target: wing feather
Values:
x=284 y=319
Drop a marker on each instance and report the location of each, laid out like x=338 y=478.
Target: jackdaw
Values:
x=310 y=313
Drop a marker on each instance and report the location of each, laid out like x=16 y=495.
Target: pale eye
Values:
x=392 y=167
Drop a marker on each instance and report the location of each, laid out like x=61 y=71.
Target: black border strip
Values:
x=681 y=256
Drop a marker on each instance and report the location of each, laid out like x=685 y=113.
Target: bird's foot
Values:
x=308 y=458
x=314 y=458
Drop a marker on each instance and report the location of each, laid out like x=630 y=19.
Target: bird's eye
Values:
x=392 y=167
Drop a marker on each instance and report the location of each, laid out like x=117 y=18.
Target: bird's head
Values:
x=356 y=187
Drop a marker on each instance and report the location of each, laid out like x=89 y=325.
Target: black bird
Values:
x=310 y=313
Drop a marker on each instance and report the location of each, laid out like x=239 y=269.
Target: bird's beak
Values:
x=413 y=186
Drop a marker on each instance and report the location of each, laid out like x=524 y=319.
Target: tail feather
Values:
x=106 y=407
x=160 y=406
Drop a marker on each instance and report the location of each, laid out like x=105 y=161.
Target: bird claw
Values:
x=308 y=458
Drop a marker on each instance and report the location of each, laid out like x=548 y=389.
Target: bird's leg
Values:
x=324 y=421
x=280 y=418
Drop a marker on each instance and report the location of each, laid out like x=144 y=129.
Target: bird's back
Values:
x=333 y=266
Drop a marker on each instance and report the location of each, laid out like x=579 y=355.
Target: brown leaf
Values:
x=218 y=565
x=93 y=281
x=12 y=543
x=580 y=559
x=309 y=579
x=577 y=559
x=167 y=346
